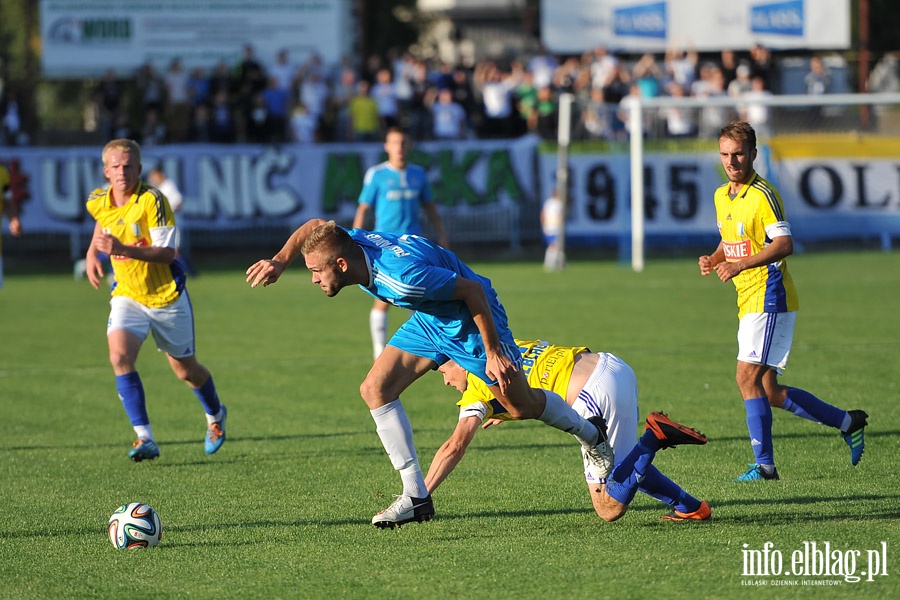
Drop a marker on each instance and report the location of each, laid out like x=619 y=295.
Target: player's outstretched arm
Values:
x=267 y=271
x=499 y=367
x=359 y=219
x=434 y=217
x=451 y=452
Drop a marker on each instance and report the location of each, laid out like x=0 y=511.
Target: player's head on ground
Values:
x=122 y=164
x=737 y=150
x=332 y=257
x=396 y=145
x=454 y=375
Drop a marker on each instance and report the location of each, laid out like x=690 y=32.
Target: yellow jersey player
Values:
x=135 y=227
x=8 y=208
x=595 y=385
x=457 y=315
x=756 y=241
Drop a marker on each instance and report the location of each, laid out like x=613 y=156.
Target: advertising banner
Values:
x=830 y=190
x=85 y=38
x=239 y=186
x=575 y=26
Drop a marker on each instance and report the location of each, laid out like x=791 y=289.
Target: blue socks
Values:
x=759 y=424
x=131 y=393
x=665 y=490
x=795 y=410
x=628 y=475
x=636 y=472
x=812 y=408
x=208 y=397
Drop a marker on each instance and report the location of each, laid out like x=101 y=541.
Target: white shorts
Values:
x=611 y=391
x=766 y=338
x=172 y=325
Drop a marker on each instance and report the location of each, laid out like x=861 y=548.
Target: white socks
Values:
x=557 y=413
x=143 y=431
x=378 y=320
x=210 y=419
x=392 y=425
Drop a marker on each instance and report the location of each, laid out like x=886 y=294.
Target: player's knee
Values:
x=518 y=412
x=372 y=393
x=748 y=383
x=188 y=370
x=197 y=375
x=529 y=405
x=610 y=512
x=608 y=508
x=121 y=362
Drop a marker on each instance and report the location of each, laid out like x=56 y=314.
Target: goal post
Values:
x=564 y=129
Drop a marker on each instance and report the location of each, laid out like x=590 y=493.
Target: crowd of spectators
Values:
x=255 y=102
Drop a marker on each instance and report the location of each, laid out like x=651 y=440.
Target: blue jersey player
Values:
x=457 y=317
x=396 y=191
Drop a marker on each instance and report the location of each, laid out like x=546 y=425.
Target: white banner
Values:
x=678 y=193
x=85 y=38
x=238 y=187
x=575 y=26
x=841 y=197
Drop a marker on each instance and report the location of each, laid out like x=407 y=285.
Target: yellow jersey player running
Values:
x=136 y=229
x=756 y=240
x=595 y=385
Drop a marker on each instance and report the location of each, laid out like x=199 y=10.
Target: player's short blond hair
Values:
x=122 y=145
x=329 y=240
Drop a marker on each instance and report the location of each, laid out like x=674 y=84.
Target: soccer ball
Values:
x=134 y=525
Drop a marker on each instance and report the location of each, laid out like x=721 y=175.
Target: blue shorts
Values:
x=421 y=335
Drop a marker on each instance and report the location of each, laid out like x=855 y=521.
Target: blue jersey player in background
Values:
x=457 y=317
x=397 y=192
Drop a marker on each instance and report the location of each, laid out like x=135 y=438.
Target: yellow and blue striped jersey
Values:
x=547 y=366
x=134 y=224
x=744 y=223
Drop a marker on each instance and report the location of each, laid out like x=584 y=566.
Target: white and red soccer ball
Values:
x=134 y=525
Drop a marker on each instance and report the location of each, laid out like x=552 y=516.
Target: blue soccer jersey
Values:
x=396 y=196
x=414 y=273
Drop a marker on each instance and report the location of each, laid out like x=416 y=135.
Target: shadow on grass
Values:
x=824 y=433
x=827 y=432
x=192 y=441
x=783 y=515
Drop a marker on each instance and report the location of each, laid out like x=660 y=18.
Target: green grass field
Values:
x=283 y=510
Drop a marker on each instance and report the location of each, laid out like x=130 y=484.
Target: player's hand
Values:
x=501 y=369
x=15 y=226
x=491 y=422
x=93 y=269
x=108 y=244
x=726 y=270
x=265 y=271
x=706 y=265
